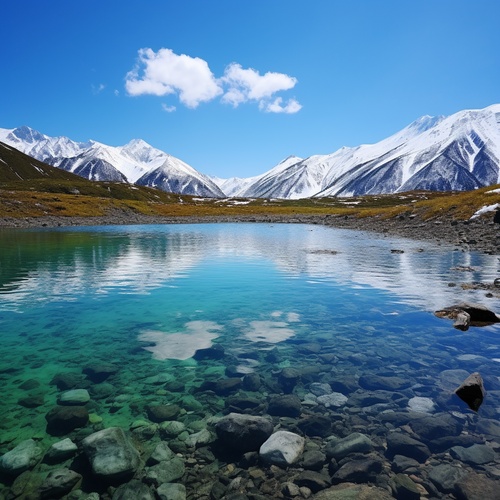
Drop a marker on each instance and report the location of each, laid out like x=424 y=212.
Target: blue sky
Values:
x=232 y=87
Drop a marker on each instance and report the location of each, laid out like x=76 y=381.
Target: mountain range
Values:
x=459 y=152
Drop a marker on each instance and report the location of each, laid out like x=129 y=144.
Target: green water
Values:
x=145 y=298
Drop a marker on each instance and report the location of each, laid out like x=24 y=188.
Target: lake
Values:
x=184 y=316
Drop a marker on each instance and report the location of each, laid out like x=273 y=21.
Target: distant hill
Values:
x=16 y=166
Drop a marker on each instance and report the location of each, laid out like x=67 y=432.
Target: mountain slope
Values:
x=137 y=161
x=17 y=166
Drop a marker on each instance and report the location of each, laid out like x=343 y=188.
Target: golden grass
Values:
x=100 y=199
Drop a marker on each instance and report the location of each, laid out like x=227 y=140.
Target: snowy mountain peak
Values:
x=27 y=134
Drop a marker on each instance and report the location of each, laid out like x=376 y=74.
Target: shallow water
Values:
x=145 y=298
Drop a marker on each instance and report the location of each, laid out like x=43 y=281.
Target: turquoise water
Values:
x=145 y=298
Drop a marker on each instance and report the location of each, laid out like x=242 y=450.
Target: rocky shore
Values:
x=481 y=234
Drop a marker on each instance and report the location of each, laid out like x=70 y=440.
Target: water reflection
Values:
x=51 y=264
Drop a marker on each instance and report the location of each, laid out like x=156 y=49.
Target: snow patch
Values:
x=485 y=209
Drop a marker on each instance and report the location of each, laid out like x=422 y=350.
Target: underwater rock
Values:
x=160 y=413
x=32 y=401
x=373 y=382
x=243 y=432
x=161 y=453
x=282 y=448
x=59 y=482
x=316 y=425
x=165 y=472
x=354 y=443
x=21 y=458
x=171 y=428
x=66 y=381
x=445 y=477
x=421 y=405
x=133 y=490
x=404 y=488
x=64 y=419
x=476 y=487
x=353 y=491
x=287 y=405
x=99 y=372
x=252 y=382
x=214 y=352
x=225 y=386
x=477 y=454
x=400 y=463
x=472 y=391
x=111 y=454
x=436 y=426
x=313 y=460
x=466 y=315
x=364 y=470
x=288 y=379
x=60 y=451
x=74 y=397
x=334 y=399
x=171 y=491
x=402 y=444
x=30 y=384
x=315 y=481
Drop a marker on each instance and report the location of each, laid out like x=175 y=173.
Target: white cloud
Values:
x=97 y=89
x=167 y=108
x=276 y=106
x=163 y=73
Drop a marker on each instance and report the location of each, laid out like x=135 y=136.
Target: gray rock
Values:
x=282 y=448
x=436 y=426
x=445 y=477
x=477 y=454
x=243 y=432
x=59 y=482
x=74 y=397
x=354 y=443
x=171 y=491
x=21 y=458
x=319 y=389
x=160 y=413
x=472 y=391
x=161 y=453
x=252 y=382
x=377 y=382
x=348 y=491
x=201 y=438
x=466 y=315
x=110 y=453
x=60 y=451
x=358 y=471
x=165 y=472
x=399 y=443
x=401 y=463
x=404 y=488
x=172 y=428
x=421 y=405
x=287 y=405
x=134 y=490
x=64 y=419
x=313 y=460
x=449 y=380
x=312 y=480
x=477 y=487
x=334 y=399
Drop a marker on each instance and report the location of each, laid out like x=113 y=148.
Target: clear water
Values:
x=145 y=298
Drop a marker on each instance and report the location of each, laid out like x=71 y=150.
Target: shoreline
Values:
x=482 y=234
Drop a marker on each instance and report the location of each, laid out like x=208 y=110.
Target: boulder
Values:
x=466 y=315
x=287 y=405
x=21 y=458
x=133 y=490
x=111 y=454
x=252 y=382
x=354 y=443
x=99 y=372
x=316 y=425
x=404 y=488
x=445 y=477
x=288 y=379
x=399 y=443
x=64 y=419
x=364 y=470
x=171 y=491
x=334 y=399
x=74 y=397
x=315 y=481
x=477 y=487
x=477 y=454
x=433 y=427
x=161 y=453
x=282 y=448
x=161 y=413
x=472 y=391
x=165 y=472
x=243 y=433
x=60 y=451
x=59 y=482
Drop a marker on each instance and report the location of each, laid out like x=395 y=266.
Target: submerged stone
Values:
x=61 y=451
x=99 y=372
x=282 y=448
x=59 y=482
x=64 y=419
x=133 y=490
x=287 y=405
x=477 y=454
x=421 y=405
x=21 y=458
x=243 y=432
x=160 y=413
x=358 y=471
x=354 y=443
x=110 y=453
x=445 y=477
x=399 y=443
x=74 y=397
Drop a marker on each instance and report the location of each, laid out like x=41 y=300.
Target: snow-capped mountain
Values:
x=136 y=162
x=459 y=152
